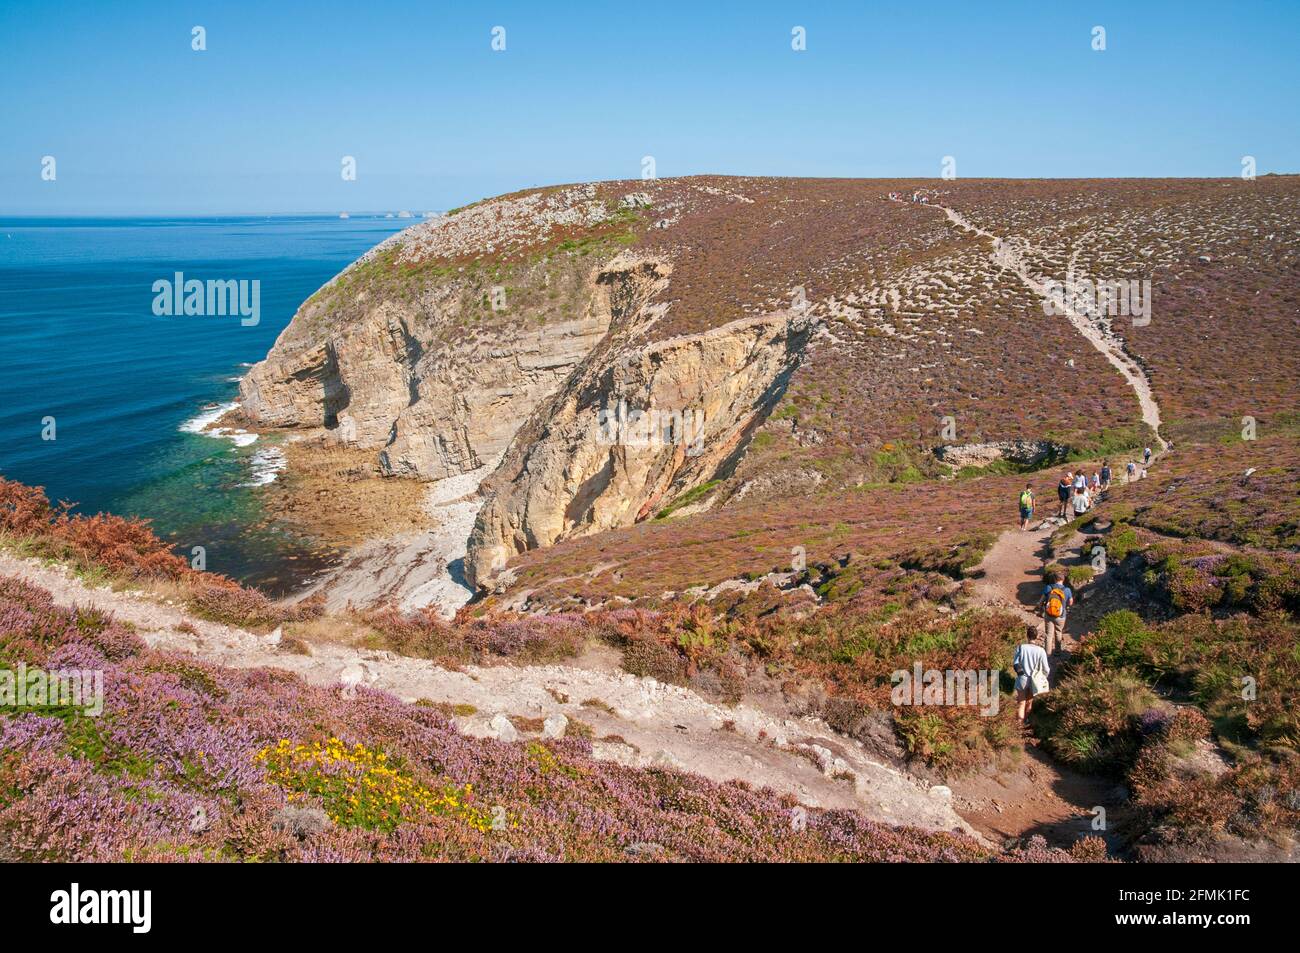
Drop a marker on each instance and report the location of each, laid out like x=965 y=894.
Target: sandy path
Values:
x=1007 y=255
x=1034 y=794
x=1037 y=795
x=1010 y=574
x=636 y=721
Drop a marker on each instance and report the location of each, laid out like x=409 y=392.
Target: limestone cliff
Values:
x=425 y=374
x=637 y=425
x=525 y=334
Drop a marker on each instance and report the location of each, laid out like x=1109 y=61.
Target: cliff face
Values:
x=458 y=346
x=448 y=352
x=637 y=426
x=427 y=376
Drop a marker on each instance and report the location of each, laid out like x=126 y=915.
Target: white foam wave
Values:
x=208 y=417
x=266 y=464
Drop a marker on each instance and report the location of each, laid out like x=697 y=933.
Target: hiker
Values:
x=1026 y=505
x=1146 y=456
x=1081 y=481
x=1055 y=603
x=1032 y=668
x=1105 y=475
x=1094 y=484
x=1132 y=472
x=1080 y=503
x=1063 y=491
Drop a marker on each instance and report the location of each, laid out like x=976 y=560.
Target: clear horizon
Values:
x=139 y=123
x=418 y=216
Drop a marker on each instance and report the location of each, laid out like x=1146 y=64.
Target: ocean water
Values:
x=127 y=389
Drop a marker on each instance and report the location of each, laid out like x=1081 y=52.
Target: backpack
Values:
x=1056 y=602
x=1026 y=499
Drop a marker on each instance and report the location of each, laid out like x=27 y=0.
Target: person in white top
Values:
x=1030 y=664
x=1080 y=501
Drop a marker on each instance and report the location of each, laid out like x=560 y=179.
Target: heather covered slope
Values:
x=194 y=762
x=1185 y=686
x=187 y=759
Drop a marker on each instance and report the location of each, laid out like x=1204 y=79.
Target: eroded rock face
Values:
x=637 y=426
x=467 y=402
x=444 y=358
x=428 y=376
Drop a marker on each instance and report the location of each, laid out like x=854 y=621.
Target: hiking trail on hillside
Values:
x=1028 y=794
x=1035 y=794
x=1008 y=255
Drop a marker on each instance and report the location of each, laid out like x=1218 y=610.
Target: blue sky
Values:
x=139 y=123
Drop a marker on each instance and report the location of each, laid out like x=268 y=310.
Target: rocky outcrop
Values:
x=431 y=378
x=1023 y=452
x=637 y=426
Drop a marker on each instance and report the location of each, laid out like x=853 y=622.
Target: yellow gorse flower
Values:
x=360 y=789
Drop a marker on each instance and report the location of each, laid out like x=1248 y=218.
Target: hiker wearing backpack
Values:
x=1146 y=456
x=1105 y=475
x=1026 y=505
x=1132 y=471
x=1055 y=603
x=1063 y=492
x=1032 y=668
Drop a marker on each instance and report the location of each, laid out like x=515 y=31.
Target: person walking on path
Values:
x=1055 y=605
x=1146 y=457
x=1080 y=502
x=1026 y=505
x=1032 y=668
x=1105 y=475
x=1063 y=492
x=1132 y=471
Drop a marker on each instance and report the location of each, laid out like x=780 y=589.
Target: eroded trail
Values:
x=1009 y=255
x=635 y=721
x=1031 y=794
x=1035 y=794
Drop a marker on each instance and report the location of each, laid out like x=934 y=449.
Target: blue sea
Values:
x=125 y=388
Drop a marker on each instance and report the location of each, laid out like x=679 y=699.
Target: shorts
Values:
x=1024 y=688
x=1026 y=512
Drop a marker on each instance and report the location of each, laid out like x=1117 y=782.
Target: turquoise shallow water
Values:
x=79 y=342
